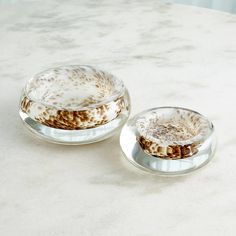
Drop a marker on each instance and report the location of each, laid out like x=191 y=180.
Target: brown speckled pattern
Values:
x=74 y=97
x=74 y=120
x=169 y=152
x=172 y=136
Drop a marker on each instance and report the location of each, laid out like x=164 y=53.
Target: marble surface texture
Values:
x=167 y=55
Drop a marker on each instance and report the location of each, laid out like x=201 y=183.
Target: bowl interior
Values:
x=173 y=126
x=74 y=87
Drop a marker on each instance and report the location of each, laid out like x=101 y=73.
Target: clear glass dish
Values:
x=74 y=104
x=168 y=140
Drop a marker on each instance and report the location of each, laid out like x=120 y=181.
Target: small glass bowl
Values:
x=168 y=140
x=74 y=104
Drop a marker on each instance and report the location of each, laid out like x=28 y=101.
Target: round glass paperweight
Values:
x=74 y=104
x=168 y=140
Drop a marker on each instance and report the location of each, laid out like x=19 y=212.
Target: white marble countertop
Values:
x=166 y=55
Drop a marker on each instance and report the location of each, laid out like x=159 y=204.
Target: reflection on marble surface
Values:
x=167 y=55
x=221 y=5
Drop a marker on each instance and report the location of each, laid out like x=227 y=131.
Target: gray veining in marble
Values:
x=167 y=55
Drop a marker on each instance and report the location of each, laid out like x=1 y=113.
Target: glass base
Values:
x=135 y=154
x=73 y=137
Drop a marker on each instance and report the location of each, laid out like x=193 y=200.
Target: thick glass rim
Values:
x=119 y=92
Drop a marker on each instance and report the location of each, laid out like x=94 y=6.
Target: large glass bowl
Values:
x=74 y=104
